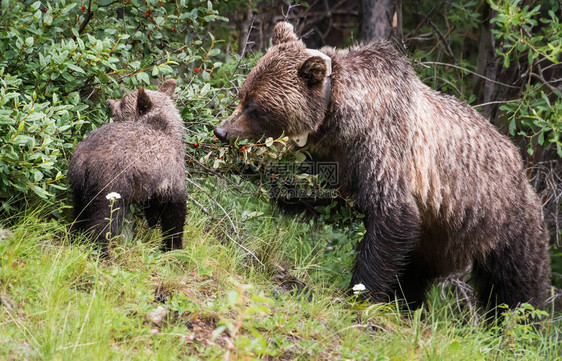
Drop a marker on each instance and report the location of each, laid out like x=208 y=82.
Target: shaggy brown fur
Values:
x=440 y=187
x=141 y=157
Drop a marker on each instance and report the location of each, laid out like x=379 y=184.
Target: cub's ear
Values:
x=283 y=33
x=168 y=87
x=143 y=102
x=313 y=70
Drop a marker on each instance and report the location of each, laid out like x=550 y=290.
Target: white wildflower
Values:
x=113 y=196
x=358 y=288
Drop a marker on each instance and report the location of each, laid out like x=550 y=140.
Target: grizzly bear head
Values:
x=287 y=92
x=135 y=106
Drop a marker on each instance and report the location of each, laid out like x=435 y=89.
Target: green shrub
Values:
x=61 y=60
x=534 y=40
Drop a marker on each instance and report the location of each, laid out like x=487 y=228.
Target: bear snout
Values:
x=221 y=133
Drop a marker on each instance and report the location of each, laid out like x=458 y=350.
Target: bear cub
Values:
x=141 y=157
x=440 y=187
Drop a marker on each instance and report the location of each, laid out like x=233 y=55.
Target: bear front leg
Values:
x=392 y=232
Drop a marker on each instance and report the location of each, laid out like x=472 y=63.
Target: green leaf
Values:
x=300 y=157
x=205 y=89
x=217 y=332
x=42 y=60
x=546 y=100
x=36 y=5
x=142 y=76
x=76 y=68
x=41 y=192
x=531 y=57
x=67 y=9
x=232 y=298
x=512 y=126
x=37 y=175
x=166 y=69
x=217 y=163
x=48 y=18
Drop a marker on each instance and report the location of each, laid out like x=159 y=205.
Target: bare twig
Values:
x=202 y=207
x=468 y=71
x=547 y=181
x=89 y=16
x=464 y=293
x=426 y=17
x=497 y=102
x=289 y=8
x=540 y=77
x=442 y=39
x=234 y=228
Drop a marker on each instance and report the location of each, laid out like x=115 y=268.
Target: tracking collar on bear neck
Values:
x=301 y=139
x=328 y=62
x=326 y=58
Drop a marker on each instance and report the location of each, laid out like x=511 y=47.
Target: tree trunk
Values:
x=243 y=26
x=381 y=19
x=487 y=65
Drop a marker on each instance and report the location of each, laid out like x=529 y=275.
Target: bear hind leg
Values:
x=153 y=211
x=173 y=220
x=98 y=219
x=108 y=220
x=171 y=214
x=81 y=212
x=511 y=275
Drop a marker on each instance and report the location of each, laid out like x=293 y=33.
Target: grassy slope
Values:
x=59 y=301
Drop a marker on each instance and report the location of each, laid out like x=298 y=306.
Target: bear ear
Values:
x=283 y=33
x=143 y=102
x=313 y=70
x=168 y=87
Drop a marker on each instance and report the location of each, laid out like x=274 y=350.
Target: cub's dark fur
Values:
x=441 y=188
x=140 y=157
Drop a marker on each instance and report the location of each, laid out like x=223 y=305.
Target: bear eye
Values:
x=253 y=111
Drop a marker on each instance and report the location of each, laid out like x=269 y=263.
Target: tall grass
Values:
x=60 y=301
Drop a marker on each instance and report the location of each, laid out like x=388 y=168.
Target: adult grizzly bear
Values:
x=141 y=157
x=439 y=186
